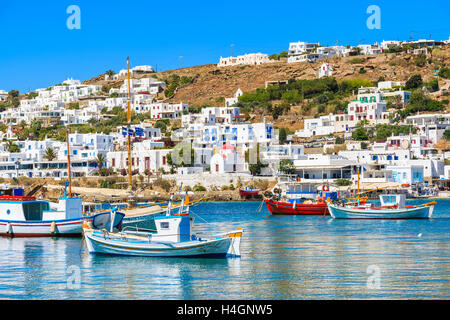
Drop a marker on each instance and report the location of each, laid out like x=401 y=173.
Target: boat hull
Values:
x=286 y=208
x=338 y=212
x=248 y=193
x=104 y=245
x=61 y=228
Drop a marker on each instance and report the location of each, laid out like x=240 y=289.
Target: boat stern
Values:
x=235 y=246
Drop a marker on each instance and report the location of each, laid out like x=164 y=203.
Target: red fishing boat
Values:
x=248 y=192
x=301 y=206
x=319 y=208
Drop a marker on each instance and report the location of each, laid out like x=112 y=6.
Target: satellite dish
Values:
x=405 y=144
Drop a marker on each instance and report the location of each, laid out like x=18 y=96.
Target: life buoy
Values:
x=325 y=188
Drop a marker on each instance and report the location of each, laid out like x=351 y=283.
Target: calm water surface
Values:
x=282 y=258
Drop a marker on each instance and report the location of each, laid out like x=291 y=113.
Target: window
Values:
x=164 y=225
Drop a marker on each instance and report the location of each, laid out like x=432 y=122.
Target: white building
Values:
x=166 y=110
x=368 y=49
x=233 y=100
x=325 y=70
x=228 y=160
x=133 y=71
x=297 y=49
x=246 y=59
x=144 y=85
x=388 y=44
x=432 y=126
x=144 y=157
x=3 y=95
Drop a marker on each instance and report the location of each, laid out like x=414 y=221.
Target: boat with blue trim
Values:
x=392 y=207
x=22 y=216
x=172 y=237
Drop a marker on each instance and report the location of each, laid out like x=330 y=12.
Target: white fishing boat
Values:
x=22 y=216
x=172 y=238
x=392 y=207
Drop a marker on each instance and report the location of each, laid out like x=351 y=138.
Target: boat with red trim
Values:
x=249 y=192
x=22 y=216
x=288 y=204
x=286 y=208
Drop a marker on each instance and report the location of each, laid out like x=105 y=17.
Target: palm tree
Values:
x=100 y=160
x=12 y=147
x=50 y=154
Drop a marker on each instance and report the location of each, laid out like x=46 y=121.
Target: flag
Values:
x=139 y=132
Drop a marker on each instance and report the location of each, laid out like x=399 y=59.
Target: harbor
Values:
x=283 y=257
x=229 y=167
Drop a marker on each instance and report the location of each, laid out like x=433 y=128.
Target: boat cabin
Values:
x=173 y=228
x=393 y=200
x=14 y=206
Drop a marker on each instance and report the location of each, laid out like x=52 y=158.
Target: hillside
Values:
x=210 y=84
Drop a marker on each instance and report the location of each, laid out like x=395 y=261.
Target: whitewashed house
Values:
x=325 y=70
x=167 y=110
x=233 y=100
x=246 y=59
x=228 y=160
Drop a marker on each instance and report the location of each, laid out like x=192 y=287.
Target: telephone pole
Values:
x=232 y=45
x=181 y=62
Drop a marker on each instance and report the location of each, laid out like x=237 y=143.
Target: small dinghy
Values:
x=392 y=207
x=171 y=238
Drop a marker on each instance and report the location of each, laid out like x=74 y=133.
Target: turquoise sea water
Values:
x=283 y=257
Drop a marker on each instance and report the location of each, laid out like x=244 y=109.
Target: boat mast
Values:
x=68 y=162
x=358 y=181
x=129 y=125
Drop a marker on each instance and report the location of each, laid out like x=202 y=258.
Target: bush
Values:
x=356 y=61
x=414 y=82
x=198 y=188
x=164 y=184
x=444 y=73
x=420 y=60
x=343 y=182
x=339 y=140
x=447 y=134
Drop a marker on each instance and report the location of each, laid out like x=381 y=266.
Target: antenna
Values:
x=181 y=62
x=232 y=45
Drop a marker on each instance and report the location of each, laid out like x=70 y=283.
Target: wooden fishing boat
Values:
x=392 y=207
x=171 y=238
x=249 y=192
x=285 y=205
x=22 y=216
x=319 y=208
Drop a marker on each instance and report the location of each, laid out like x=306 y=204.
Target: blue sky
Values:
x=37 y=49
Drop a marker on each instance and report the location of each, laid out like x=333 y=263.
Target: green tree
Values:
x=360 y=134
x=12 y=147
x=50 y=154
x=414 y=82
x=282 y=135
x=447 y=134
x=287 y=167
x=100 y=160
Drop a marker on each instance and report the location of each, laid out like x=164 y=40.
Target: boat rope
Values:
x=259 y=208
x=190 y=211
